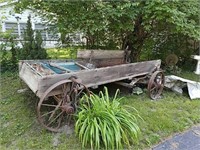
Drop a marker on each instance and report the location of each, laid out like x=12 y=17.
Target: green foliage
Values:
x=102 y=122
x=173 y=70
x=1 y=1
x=124 y=24
x=11 y=53
x=32 y=46
x=62 y=53
x=8 y=53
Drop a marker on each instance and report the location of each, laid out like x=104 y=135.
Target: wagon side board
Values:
x=102 y=58
x=100 y=54
x=101 y=76
x=31 y=78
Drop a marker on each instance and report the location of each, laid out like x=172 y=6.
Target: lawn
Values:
x=62 y=53
x=21 y=130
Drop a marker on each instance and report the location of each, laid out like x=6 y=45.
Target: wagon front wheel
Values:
x=59 y=103
x=156 y=85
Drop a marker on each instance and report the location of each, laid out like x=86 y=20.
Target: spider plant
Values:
x=102 y=122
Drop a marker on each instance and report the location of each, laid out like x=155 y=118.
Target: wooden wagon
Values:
x=60 y=83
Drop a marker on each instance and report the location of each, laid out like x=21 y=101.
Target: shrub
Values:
x=9 y=58
x=32 y=44
x=103 y=122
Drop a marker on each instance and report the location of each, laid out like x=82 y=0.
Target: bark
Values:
x=135 y=40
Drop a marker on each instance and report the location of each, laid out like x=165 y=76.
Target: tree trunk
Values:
x=135 y=40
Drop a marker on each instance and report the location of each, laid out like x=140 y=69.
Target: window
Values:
x=52 y=34
x=9 y=26
x=41 y=28
x=22 y=27
x=46 y=32
x=18 y=30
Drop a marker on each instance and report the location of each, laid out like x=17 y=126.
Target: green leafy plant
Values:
x=140 y=25
x=32 y=44
x=102 y=122
x=8 y=55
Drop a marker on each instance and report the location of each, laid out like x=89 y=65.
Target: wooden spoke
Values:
x=54 y=118
x=78 y=94
x=57 y=107
x=153 y=88
x=47 y=113
x=56 y=98
x=48 y=105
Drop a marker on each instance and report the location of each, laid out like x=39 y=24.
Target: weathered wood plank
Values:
x=124 y=84
x=100 y=54
x=30 y=77
x=107 y=62
x=82 y=66
x=62 y=68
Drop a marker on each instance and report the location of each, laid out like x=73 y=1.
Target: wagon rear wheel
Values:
x=59 y=103
x=156 y=85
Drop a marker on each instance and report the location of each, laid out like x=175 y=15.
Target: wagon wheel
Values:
x=59 y=103
x=156 y=85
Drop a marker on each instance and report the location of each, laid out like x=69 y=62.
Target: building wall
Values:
x=9 y=20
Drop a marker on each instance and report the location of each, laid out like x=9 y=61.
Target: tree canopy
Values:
x=125 y=24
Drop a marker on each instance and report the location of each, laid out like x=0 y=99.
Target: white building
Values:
x=9 y=20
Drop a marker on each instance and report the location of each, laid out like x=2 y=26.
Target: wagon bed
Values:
x=65 y=80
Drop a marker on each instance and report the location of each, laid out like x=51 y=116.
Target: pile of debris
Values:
x=177 y=84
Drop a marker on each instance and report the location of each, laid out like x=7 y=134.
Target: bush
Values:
x=10 y=53
x=103 y=122
x=32 y=45
x=9 y=59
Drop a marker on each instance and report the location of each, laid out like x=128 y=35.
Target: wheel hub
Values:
x=68 y=109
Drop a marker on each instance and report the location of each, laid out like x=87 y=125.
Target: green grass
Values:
x=19 y=128
x=62 y=53
x=171 y=114
x=190 y=76
x=56 y=53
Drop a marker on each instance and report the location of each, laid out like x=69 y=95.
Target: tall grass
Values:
x=102 y=122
